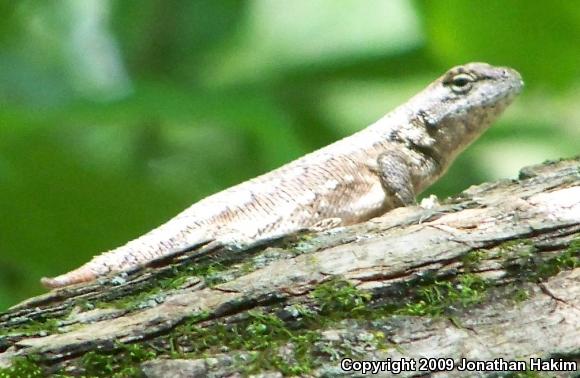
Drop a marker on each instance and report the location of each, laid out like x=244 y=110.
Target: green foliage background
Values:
x=114 y=116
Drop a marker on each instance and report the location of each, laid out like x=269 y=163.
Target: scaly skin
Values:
x=359 y=177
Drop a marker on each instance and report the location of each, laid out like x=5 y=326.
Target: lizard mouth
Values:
x=514 y=77
x=507 y=84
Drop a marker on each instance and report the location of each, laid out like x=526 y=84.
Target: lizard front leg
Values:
x=396 y=178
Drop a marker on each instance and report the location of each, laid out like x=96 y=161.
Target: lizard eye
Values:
x=461 y=83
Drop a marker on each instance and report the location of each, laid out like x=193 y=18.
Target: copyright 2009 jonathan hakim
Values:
x=449 y=364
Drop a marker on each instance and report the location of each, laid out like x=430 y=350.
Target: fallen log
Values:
x=488 y=280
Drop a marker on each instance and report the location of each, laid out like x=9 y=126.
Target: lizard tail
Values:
x=175 y=236
x=82 y=274
x=133 y=254
x=113 y=261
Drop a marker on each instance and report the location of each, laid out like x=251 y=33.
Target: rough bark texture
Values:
x=493 y=273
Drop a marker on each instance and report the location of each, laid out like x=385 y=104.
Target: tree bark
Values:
x=490 y=275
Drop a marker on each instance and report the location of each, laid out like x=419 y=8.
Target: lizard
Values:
x=364 y=175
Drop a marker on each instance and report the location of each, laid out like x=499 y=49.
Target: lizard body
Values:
x=352 y=180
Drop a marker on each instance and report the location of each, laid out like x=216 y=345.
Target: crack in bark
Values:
x=549 y=293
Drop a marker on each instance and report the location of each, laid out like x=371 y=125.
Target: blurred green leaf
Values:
x=540 y=39
x=115 y=115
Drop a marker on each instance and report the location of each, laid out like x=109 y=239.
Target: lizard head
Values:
x=458 y=107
